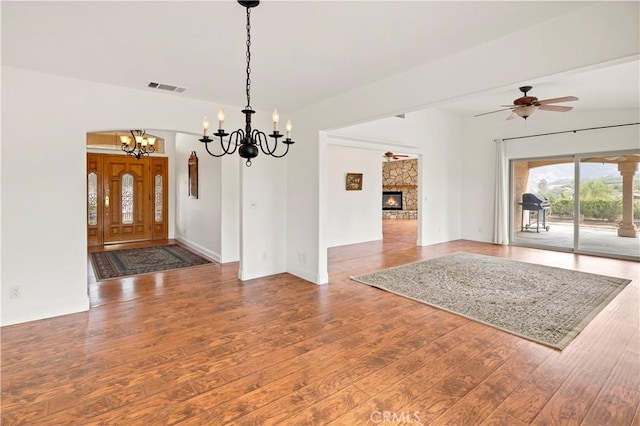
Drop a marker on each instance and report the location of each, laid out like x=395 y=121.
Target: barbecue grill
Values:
x=533 y=202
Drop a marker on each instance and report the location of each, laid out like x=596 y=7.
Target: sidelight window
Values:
x=92 y=199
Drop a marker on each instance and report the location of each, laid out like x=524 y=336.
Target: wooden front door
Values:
x=127 y=198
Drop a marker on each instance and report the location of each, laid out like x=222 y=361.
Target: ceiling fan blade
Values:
x=491 y=112
x=556 y=100
x=512 y=116
x=400 y=155
x=556 y=108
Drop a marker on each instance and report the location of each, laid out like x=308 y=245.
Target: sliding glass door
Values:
x=543 y=203
x=585 y=203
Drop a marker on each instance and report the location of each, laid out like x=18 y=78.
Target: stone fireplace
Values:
x=400 y=178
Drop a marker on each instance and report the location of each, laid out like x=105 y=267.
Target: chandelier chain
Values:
x=248 y=58
x=246 y=141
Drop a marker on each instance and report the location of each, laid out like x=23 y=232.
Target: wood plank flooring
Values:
x=196 y=346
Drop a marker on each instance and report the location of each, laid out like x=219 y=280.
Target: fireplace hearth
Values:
x=391 y=200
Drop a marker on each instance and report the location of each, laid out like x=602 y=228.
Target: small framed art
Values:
x=193 y=175
x=354 y=182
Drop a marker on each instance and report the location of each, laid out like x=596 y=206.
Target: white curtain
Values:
x=501 y=211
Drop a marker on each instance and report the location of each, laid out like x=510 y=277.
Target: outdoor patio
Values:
x=593 y=239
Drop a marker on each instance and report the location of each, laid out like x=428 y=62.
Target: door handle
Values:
x=106 y=201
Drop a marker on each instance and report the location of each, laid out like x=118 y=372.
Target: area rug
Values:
x=544 y=304
x=120 y=263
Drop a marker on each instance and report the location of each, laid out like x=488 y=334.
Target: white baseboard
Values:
x=310 y=276
x=49 y=310
x=200 y=249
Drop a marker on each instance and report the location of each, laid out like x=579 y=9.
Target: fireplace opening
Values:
x=392 y=200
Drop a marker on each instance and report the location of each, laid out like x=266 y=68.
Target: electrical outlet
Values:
x=15 y=292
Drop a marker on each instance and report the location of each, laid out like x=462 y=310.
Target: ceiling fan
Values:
x=391 y=156
x=527 y=105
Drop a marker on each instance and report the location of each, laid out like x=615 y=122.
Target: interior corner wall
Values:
x=478 y=154
x=354 y=216
x=44 y=201
x=198 y=220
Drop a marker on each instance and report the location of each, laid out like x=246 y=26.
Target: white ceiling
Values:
x=302 y=52
x=612 y=87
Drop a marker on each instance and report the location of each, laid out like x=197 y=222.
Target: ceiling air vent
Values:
x=168 y=87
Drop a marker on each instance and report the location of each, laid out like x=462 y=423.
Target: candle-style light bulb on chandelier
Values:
x=248 y=141
x=138 y=144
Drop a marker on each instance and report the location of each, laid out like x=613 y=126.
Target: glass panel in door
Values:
x=543 y=203
x=609 y=215
x=158 y=208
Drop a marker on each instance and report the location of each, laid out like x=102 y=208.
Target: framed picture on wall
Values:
x=354 y=182
x=193 y=175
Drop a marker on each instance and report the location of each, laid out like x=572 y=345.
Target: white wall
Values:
x=388 y=132
x=198 y=220
x=436 y=136
x=479 y=161
x=354 y=216
x=45 y=120
x=439 y=134
x=608 y=29
x=209 y=223
x=263 y=209
x=230 y=202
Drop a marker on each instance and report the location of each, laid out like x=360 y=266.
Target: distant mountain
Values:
x=563 y=173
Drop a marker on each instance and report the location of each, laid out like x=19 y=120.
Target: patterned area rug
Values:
x=120 y=263
x=544 y=304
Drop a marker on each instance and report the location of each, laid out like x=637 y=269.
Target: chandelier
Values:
x=143 y=145
x=248 y=141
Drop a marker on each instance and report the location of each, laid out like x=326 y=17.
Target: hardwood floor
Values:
x=198 y=347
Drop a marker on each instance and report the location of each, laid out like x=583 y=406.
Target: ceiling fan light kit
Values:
x=525 y=111
x=525 y=105
x=247 y=142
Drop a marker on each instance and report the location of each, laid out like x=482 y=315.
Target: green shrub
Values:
x=636 y=209
x=608 y=209
x=561 y=206
x=601 y=208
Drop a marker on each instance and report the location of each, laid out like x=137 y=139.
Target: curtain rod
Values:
x=570 y=131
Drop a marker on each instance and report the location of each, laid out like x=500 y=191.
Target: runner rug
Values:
x=120 y=263
x=541 y=303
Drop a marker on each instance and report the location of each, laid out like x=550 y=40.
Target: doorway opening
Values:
x=400 y=189
x=126 y=199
